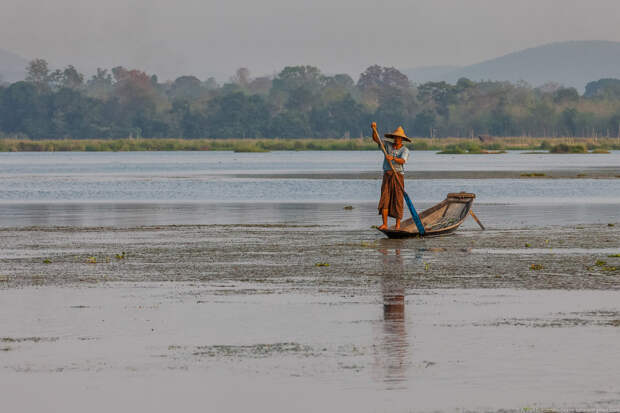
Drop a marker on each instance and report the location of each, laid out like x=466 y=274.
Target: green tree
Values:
x=295 y=77
x=439 y=95
x=337 y=88
x=566 y=95
x=188 y=123
x=237 y=116
x=424 y=123
x=378 y=83
x=24 y=110
x=569 y=122
x=38 y=72
x=71 y=78
x=614 y=125
x=340 y=118
x=100 y=84
x=290 y=125
x=377 y=77
x=395 y=110
x=603 y=88
x=297 y=88
x=74 y=115
x=186 y=87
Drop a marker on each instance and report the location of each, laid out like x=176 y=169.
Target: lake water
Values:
x=142 y=188
x=166 y=347
x=213 y=163
x=197 y=317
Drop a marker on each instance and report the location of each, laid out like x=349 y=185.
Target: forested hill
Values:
x=571 y=64
x=12 y=66
x=298 y=102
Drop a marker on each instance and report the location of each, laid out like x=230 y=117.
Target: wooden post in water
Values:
x=471 y=212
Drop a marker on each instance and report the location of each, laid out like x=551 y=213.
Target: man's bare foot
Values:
x=383 y=227
x=397 y=227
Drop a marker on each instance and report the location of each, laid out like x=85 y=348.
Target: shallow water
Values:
x=163 y=188
x=362 y=216
x=213 y=163
x=160 y=347
x=115 y=188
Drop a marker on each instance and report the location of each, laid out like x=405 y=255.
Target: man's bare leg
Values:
x=397 y=226
x=384 y=215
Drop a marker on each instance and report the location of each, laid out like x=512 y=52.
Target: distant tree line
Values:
x=299 y=102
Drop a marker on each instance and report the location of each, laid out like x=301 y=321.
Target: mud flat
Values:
x=313 y=258
x=280 y=317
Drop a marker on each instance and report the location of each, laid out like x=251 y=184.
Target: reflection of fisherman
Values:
x=392 y=283
x=391 y=202
x=395 y=345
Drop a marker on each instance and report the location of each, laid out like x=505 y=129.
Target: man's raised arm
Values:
x=375 y=135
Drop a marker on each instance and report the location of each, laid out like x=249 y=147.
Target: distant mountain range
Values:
x=572 y=63
x=12 y=67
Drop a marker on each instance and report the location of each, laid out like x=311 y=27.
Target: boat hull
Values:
x=440 y=219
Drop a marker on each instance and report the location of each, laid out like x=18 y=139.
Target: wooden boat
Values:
x=443 y=218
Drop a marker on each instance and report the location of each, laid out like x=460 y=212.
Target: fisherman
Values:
x=392 y=187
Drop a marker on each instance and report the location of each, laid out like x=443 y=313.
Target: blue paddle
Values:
x=414 y=214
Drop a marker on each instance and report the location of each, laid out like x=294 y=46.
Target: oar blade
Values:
x=414 y=215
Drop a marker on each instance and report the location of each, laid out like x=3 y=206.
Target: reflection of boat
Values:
x=443 y=218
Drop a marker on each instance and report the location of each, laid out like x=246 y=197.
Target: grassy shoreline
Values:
x=446 y=145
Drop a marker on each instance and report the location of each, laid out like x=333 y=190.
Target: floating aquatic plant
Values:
x=321 y=264
x=602 y=265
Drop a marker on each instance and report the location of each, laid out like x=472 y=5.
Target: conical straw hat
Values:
x=399 y=132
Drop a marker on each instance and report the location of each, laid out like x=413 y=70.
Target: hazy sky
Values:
x=206 y=37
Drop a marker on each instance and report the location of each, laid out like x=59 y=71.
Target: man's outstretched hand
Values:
x=375 y=134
